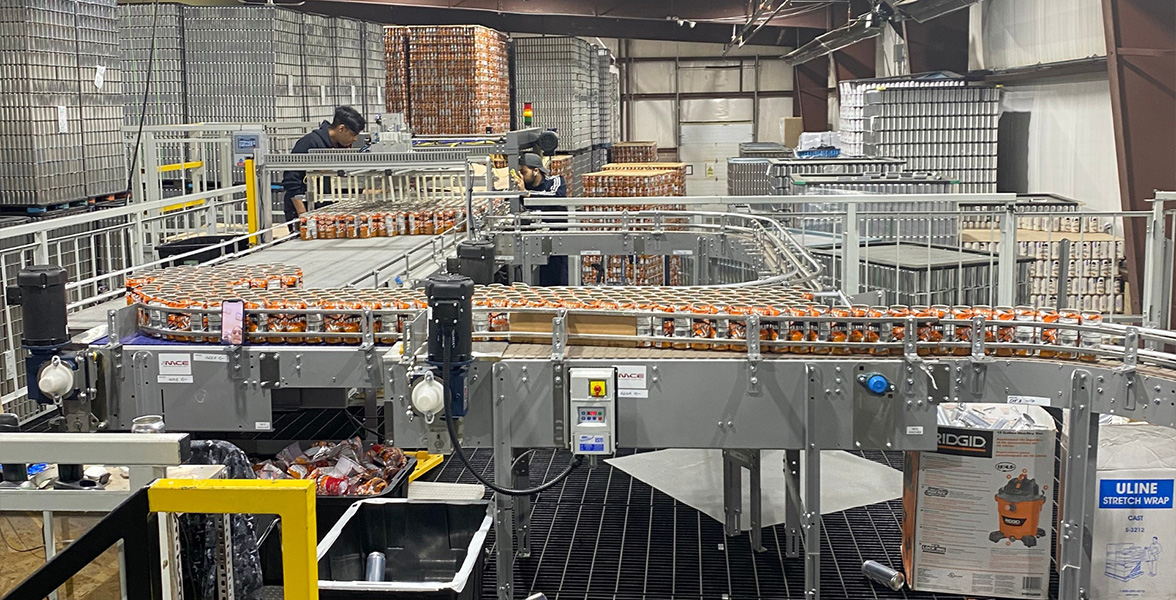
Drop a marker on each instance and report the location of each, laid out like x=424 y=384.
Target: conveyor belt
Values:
x=324 y=264
x=632 y=542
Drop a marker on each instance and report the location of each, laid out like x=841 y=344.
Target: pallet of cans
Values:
x=936 y=123
x=678 y=187
x=630 y=183
x=748 y=177
x=763 y=150
x=633 y=152
x=455 y=78
x=62 y=140
x=183 y=304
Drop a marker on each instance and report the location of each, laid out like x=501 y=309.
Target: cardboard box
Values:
x=978 y=512
x=1134 y=537
x=790 y=130
x=577 y=324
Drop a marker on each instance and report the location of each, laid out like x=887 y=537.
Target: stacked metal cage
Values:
x=602 y=123
x=935 y=122
x=923 y=275
x=558 y=77
x=318 y=67
x=764 y=150
x=62 y=99
x=784 y=168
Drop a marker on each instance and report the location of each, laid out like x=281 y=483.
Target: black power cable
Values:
x=146 y=96
x=457 y=449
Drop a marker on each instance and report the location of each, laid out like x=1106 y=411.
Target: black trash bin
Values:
x=208 y=242
x=434 y=550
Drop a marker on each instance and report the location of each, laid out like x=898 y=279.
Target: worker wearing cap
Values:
x=532 y=178
x=341 y=132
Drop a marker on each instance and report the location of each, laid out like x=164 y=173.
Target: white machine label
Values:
x=915 y=430
x=206 y=357
x=100 y=76
x=62 y=120
x=175 y=364
x=1034 y=400
x=174 y=379
x=590 y=253
x=632 y=393
x=9 y=365
x=632 y=378
x=506 y=257
x=262 y=426
x=683 y=252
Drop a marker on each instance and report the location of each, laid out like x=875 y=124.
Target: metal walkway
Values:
x=632 y=542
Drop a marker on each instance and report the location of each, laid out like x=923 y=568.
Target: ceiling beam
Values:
x=588 y=25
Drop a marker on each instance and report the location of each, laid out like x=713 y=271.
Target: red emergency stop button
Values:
x=596 y=389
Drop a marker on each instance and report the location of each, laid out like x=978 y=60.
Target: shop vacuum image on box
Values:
x=1019 y=505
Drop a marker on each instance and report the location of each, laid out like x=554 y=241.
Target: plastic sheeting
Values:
x=1016 y=33
x=1071 y=140
x=695 y=478
x=199 y=533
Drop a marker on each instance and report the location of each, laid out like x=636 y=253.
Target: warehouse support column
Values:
x=856 y=61
x=1141 y=67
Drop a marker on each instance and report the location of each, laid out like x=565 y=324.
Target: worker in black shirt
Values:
x=532 y=178
x=341 y=132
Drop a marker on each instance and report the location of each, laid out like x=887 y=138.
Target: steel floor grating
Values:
x=635 y=543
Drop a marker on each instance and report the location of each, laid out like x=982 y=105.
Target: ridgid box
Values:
x=977 y=511
x=1133 y=550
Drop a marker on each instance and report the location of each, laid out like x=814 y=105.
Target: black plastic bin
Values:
x=327 y=510
x=207 y=242
x=434 y=550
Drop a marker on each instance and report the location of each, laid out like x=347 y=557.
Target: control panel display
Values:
x=592 y=398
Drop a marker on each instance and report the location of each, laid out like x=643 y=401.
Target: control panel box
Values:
x=592 y=395
x=249 y=144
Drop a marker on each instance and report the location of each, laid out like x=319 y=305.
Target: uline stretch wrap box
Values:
x=1133 y=545
x=978 y=511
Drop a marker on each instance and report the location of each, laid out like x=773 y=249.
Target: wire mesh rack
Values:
x=603 y=535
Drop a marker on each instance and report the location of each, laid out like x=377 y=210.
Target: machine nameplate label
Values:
x=591 y=443
x=1034 y=400
x=262 y=426
x=914 y=430
x=175 y=364
x=174 y=379
x=207 y=357
x=632 y=377
x=683 y=253
x=632 y=393
x=590 y=253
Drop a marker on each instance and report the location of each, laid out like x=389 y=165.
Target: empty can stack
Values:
x=62 y=93
x=935 y=122
x=558 y=77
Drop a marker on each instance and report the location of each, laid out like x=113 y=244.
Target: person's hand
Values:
x=518 y=179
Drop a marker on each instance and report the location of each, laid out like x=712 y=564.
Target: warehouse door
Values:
x=711 y=131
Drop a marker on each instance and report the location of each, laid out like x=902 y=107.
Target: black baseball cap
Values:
x=532 y=160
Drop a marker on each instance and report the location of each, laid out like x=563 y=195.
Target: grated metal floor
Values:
x=602 y=535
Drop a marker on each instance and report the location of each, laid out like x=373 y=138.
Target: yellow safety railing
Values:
x=196 y=164
x=292 y=500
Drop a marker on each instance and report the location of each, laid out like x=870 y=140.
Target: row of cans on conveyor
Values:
x=362 y=219
x=181 y=303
